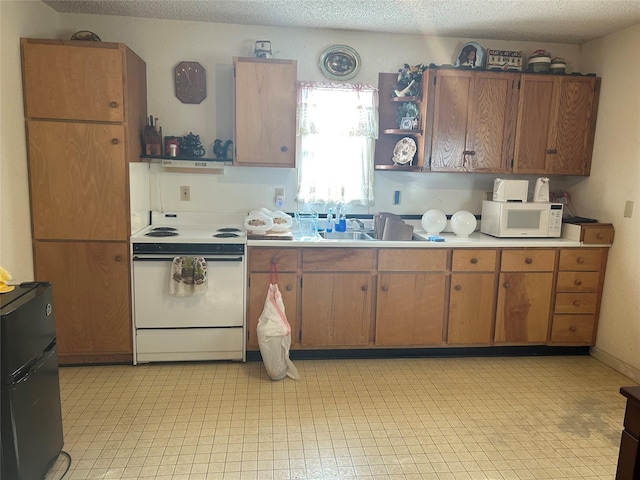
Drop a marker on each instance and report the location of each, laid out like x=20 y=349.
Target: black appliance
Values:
x=30 y=397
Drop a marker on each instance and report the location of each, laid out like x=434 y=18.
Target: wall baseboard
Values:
x=615 y=363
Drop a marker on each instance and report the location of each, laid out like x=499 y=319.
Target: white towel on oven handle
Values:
x=188 y=276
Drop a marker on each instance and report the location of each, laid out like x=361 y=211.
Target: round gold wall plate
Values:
x=340 y=62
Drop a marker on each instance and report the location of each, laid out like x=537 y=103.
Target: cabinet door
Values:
x=491 y=130
x=91 y=294
x=258 y=288
x=265 y=108
x=410 y=309
x=523 y=307
x=471 y=308
x=535 y=105
x=451 y=115
x=73 y=82
x=78 y=178
x=336 y=309
x=573 y=129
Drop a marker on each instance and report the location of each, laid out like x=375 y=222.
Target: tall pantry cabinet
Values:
x=85 y=108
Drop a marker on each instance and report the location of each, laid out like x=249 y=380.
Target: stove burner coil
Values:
x=229 y=229
x=164 y=229
x=161 y=233
x=226 y=235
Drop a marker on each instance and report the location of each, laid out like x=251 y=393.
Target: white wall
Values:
x=17 y=19
x=615 y=179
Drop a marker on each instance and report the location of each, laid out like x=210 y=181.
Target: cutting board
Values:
x=270 y=236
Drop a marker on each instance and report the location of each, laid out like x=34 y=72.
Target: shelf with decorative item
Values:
x=401 y=116
x=194 y=159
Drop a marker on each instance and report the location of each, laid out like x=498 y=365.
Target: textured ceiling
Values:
x=560 y=21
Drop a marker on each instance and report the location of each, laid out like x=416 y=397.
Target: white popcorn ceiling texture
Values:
x=560 y=21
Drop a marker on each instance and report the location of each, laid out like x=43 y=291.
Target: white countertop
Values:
x=475 y=240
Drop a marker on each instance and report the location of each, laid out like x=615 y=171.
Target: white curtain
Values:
x=337 y=126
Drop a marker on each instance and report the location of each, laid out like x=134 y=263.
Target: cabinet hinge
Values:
x=300 y=336
x=434 y=80
x=512 y=163
x=518 y=84
x=300 y=282
x=429 y=162
x=249 y=282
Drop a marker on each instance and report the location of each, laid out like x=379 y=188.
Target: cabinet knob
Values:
x=474 y=260
x=114 y=104
x=572 y=329
x=528 y=261
x=384 y=288
x=364 y=288
x=506 y=284
x=118 y=258
x=283 y=149
x=578 y=282
x=457 y=287
x=599 y=236
x=115 y=141
x=289 y=287
x=576 y=303
x=580 y=260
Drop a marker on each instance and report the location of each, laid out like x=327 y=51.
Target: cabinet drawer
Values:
x=572 y=329
x=599 y=233
x=337 y=259
x=260 y=259
x=576 y=302
x=474 y=261
x=533 y=260
x=578 y=281
x=589 y=259
x=412 y=260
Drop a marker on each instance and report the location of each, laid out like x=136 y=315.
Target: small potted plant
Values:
x=407 y=110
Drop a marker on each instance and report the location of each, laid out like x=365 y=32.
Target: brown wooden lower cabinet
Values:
x=432 y=297
x=410 y=309
x=91 y=294
x=629 y=456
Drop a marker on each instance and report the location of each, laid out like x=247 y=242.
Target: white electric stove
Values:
x=208 y=326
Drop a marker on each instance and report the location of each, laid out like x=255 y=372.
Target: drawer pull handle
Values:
x=469 y=152
x=458 y=288
x=578 y=282
x=552 y=151
x=573 y=329
x=528 y=261
x=289 y=287
x=580 y=260
x=384 y=288
x=114 y=104
x=576 y=303
x=506 y=284
x=364 y=288
x=474 y=260
x=115 y=141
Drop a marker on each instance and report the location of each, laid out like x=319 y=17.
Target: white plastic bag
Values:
x=274 y=337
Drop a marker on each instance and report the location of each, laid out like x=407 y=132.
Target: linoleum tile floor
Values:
x=428 y=418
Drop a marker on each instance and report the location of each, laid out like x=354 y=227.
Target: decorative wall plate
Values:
x=471 y=55
x=404 y=151
x=340 y=62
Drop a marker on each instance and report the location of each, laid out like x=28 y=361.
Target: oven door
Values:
x=222 y=305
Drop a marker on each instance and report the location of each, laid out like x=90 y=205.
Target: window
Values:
x=337 y=126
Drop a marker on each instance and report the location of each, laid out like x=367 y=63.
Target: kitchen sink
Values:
x=347 y=236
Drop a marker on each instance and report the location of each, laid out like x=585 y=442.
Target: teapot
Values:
x=190 y=146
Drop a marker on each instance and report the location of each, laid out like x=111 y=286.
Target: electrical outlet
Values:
x=628 y=209
x=185 y=193
x=279 y=197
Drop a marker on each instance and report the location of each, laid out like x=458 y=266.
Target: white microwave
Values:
x=517 y=219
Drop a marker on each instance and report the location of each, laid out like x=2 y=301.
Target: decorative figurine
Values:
x=191 y=147
x=222 y=151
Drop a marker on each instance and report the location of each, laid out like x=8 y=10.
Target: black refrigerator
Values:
x=30 y=405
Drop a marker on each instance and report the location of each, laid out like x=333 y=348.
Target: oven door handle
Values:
x=170 y=259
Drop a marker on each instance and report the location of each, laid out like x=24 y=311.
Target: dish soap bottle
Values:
x=329 y=227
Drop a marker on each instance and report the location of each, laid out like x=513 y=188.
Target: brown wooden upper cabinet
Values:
x=556 y=124
x=265 y=107
x=473 y=121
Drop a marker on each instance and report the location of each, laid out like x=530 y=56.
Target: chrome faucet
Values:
x=358 y=221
